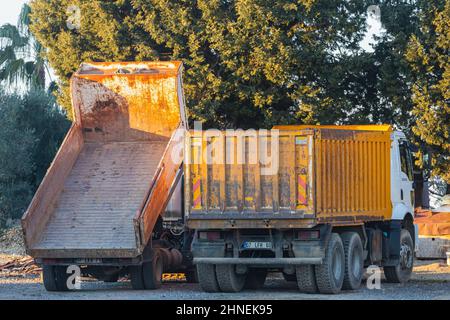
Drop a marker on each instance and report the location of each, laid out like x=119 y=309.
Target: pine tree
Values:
x=429 y=56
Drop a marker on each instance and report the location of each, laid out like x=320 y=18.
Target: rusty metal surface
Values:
x=336 y=176
x=433 y=223
x=244 y=185
x=126 y=115
x=254 y=223
x=127 y=107
x=39 y=210
x=101 y=196
x=170 y=170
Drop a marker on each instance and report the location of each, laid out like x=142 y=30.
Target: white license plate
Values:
x=88 y=261
x=257 y=245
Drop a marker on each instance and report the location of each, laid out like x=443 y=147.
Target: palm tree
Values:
x=21 y=55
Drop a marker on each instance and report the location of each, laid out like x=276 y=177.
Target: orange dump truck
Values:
x=317 y=203
x=100 y=206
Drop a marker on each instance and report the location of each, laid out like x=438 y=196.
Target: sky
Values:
x=374 y=27
x=10 y=10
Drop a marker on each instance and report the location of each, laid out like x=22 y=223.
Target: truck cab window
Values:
x=405 y=159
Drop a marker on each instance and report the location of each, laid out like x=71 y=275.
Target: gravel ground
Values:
x=431 y=281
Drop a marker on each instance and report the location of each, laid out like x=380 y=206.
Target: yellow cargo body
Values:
x=288 y=177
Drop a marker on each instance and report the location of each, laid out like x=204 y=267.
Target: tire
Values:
x=191 y=276
x=206 y=274
x=354 y=260
x=228 y=279
x=61 y=277
x=137 y=277
x=330 y=274
x=152 y=271
x=306 y=279
x=402 y=272
x=49 y=278
x=290 y=277
x=255 y=279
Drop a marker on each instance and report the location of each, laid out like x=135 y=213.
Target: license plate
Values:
x=88 y=261
x=256 y=245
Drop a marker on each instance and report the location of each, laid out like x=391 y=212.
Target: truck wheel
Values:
x=290 y=277
x=255 y=279
x=228 y=279
x=354 y=260
x=191 y=275
x=152 y=272
x=402 y=272
x=306 y=279
x=61 y=277
x=49 y=278
x=330 y=274
x=137 y=277
x=55 y=278
x=207 y=279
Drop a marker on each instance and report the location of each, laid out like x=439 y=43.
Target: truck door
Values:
x=406 y=174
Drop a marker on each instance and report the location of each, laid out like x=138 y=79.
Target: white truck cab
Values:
x=402 y=191
x=402 y=197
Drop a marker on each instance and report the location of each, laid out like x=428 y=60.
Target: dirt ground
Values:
x=21 y=280
x=11 y=241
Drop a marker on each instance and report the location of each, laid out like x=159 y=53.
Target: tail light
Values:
x=209 y=235
x=309 y=235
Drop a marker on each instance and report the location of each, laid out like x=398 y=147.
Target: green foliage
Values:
x=255 y=63
x=16 y=164
x=40 y=114
x=20 y=55
x=248 y=62
x=31 y=129
x=429 y=56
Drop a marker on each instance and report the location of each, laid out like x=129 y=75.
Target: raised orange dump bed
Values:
x=114 y=172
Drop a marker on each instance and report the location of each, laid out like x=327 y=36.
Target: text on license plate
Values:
x=256 y=245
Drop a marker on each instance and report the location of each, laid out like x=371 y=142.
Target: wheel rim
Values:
x=356 y=263
x=406 y=256
x=337 y=264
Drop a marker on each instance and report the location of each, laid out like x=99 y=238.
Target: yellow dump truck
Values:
x=100 y=208
x=317 y=203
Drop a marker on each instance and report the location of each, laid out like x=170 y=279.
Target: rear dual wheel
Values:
x=330 y=274
x=342 y=267
x=354 y=260
x=306 y=279
x=206 y=274
x=216 y=278
x=148 y=275
x=228 y=279
x=327 y=277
